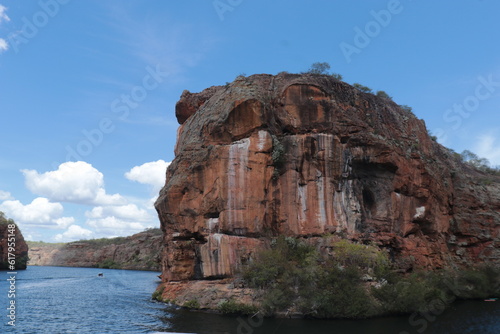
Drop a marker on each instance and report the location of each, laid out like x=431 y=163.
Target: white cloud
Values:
x=39 y=212
x=117 y=227
x=488 y=147
x=4 y=46
x=76 y=182
x=119 y=220
x=3 y=16
x=5 y=195
x=126 y=212
x=151 y=173
x=64 y=222
x=74 y=232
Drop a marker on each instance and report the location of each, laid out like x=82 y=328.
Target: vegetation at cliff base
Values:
x=233 y=307
x=108 y=264
x=157 y=295
x=350 y=280
x=192 y=304
x=293 y=276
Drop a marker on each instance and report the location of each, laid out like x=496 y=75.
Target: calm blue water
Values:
x=75 y=300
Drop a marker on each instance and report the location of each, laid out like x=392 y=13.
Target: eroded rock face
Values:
x=309 y=156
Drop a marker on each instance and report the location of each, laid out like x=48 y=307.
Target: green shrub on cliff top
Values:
x=362 y=88
x=319 y=68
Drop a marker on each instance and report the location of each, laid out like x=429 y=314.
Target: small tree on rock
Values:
x=362 y=88
x=319 y=68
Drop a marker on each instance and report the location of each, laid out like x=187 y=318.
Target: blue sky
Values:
x=88 y=88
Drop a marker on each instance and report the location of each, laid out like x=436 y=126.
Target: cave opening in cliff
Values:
x=369 y=201
x=212 y=215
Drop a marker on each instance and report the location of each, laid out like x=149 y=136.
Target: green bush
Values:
x=319 y=68
x=293 y=275
x=233 y=307
x=407 y=108
x=338 y=294
x=192 y=304
x=419 y=291
x=359 y=255
x=277 y=155
x=108 y=264
x=158 y=293
x=383 y=95
x=475 y=283
x=406 y=295
x=362 y=88
x=337 y=76
x=285 y=258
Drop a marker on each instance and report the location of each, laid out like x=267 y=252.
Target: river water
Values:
x=75 y=300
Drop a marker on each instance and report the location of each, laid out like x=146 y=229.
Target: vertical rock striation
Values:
x=309 y=156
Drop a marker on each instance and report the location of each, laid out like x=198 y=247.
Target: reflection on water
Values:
x=462 y=317
x=75 y=300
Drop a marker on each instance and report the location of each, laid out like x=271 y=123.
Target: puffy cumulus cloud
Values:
x=488 y=147
x=127 y=212
x=151 y=173
x=64 y=222
x=4 y=195
x=77 y=182
x=112 y=226
x=4 y=46
x=39 y=212
x=3 y=15
x=74 y=232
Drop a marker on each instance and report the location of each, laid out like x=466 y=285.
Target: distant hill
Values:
x=140 y=251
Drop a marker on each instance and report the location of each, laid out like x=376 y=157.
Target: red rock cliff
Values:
x=11 y=237
x=311 y=156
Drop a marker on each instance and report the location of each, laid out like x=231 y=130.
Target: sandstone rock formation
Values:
x=14 y=240
x=310 y=156
x=140 y=251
